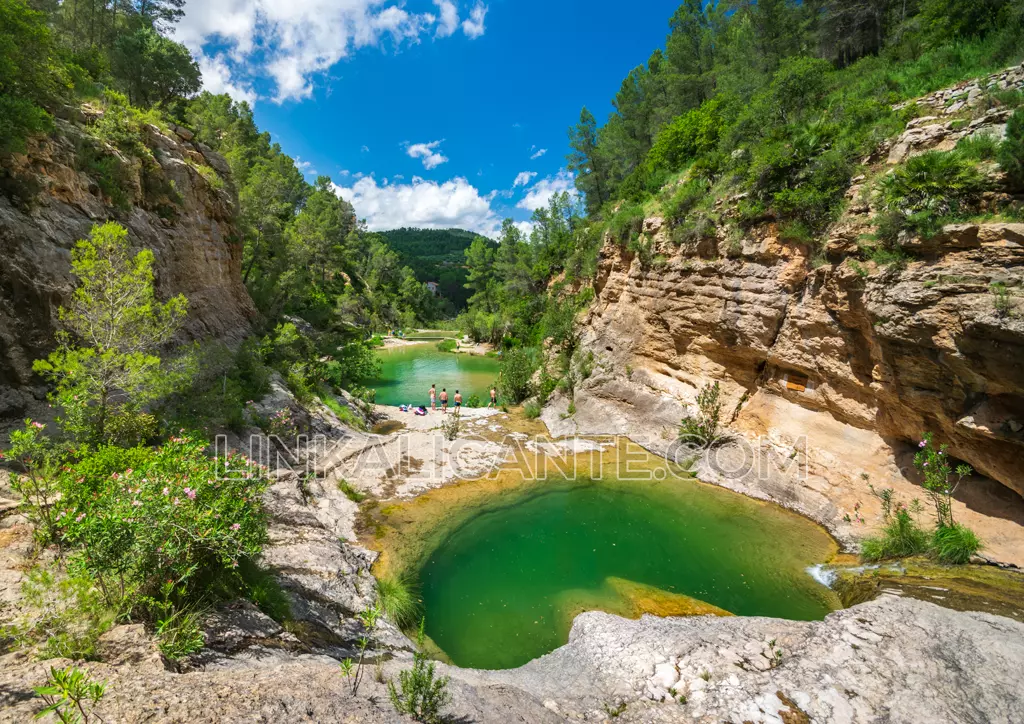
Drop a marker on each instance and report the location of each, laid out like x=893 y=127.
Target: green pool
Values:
x=408 y=372
x=502 y=587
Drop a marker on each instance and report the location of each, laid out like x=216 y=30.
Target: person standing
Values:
x=458 y=399
x=494 y=397
x=433 y=398
x=444 y=399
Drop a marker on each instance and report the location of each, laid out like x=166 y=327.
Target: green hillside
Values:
x=436 y=255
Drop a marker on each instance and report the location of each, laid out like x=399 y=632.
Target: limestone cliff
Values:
x=860 y=359
x=178 y=202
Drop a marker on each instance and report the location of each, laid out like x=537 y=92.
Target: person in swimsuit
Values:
x=433 y=397
x=444 y=399
x=458 y=399
x=494 y=398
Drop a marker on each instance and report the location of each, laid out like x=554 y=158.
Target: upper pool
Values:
x=408 y=372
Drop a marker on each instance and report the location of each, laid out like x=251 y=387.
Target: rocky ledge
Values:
x=893 y=660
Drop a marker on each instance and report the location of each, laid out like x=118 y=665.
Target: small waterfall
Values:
x=822 y=574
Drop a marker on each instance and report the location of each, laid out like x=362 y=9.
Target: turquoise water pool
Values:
x=408 y=372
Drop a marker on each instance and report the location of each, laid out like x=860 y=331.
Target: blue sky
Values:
x=428 y=113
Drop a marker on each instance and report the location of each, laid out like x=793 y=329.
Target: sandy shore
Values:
x=465 y=347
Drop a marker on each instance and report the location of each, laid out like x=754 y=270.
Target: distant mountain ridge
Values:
x=436 y=255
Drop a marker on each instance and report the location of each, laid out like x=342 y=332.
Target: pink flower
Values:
x=175 y=501
x=136 y=504
x=166 y=491
x=128 y=471
x=80 y=517
x=190 y=493
x=922 y=443
x=235 y=526
x=38 y=425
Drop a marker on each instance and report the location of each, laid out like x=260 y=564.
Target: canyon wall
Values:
x=854 y=358
x=178 y=201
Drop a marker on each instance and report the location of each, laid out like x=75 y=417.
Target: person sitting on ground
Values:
x=444 y=399
x=458 y=399
x=421 y=410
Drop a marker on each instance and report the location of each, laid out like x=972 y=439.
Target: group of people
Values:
x=434 y=396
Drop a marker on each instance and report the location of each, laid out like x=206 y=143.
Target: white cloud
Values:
x=290 y=41
x=426 y=151
x=449 y=21
x=473 y=26
x=217 y=79
x=306 y=167
x=539 y=195
x=423 y=204
x=523 y=178
x=525 y=228
x=539 y=152
x=364 y=149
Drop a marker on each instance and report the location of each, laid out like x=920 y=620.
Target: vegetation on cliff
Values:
x=147 y=526
x=107 y=76
x=754 y=113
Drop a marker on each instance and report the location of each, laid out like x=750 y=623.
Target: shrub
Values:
x=954 y=544
x=694 y=228
x=179 y=516
x=68 y=692
x=703 y=428
x=356 y=496
x=930 y=188
x=627 y=223
x=473 y=401
x=302 y=381
x=447 y=345
x=68 y=614
x=1011 y=152
x=515 y=378
x=685 y=199
x=532 y=410
x=109 y=172
x=42 y=459
x=548 y=384
x=940 y=478
x=419 y=694
x=978 y=147
x=901 y=537
x=1002 y=299
x=282 y=426
x=177 y=627
x=690 y=135
x=451 y=426
x=397 y=598
x=262 y=588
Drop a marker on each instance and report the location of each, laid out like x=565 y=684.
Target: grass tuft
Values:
x=397 y=597
x=955 y=544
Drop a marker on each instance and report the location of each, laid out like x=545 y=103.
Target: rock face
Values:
x=894 y=660
x=187 y=220
x=837 y=363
